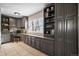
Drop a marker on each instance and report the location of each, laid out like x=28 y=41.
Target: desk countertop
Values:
x=38 y=36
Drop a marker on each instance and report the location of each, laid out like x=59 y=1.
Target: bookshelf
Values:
x=4 y=23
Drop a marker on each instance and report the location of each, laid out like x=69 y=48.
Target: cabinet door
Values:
x=12 y=23
x=33 y=42
x=23 y=38
x=26 y=39
x=70 y=9
x=37 y=43
x=59 y=37
x=43 y=45
x=29 y=40
x=51 y=47
x=23 y=23
x=59 y=10
x=67 y=9
x=47 y=47
x=5 y=37
x=71 y=36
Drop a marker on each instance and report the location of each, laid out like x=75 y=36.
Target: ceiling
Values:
x=25 y=9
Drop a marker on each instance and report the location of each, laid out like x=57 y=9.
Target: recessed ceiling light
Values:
x=16 y=13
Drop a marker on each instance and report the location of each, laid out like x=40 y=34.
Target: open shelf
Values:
x=4 y=23
x=49 y=21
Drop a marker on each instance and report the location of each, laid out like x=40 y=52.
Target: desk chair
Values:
x=16 y=36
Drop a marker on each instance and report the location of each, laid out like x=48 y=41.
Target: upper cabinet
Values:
x=24 y=23
x=12 y=24
x=59 y=10
x=70 y=9
x=65 y=9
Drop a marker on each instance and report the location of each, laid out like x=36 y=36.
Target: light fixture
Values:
x=16 y=13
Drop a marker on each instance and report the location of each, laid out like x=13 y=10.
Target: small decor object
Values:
x=47 y=10
x=6 y=19
x=52 y=8
x=52 y=32
x=6 y=25
x=46 y=14
x=47 y=32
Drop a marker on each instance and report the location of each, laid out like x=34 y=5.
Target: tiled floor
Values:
x=19 y=49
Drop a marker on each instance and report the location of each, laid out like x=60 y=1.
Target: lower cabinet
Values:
x=5 y=37
x=47 y=46
x=42 y=44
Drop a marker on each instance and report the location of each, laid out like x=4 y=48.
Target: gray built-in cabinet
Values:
x=42 y=44
x=66 y=37
x=64 y=41
x=5 y=29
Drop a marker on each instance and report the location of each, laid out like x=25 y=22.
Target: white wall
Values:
x=35 y=23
